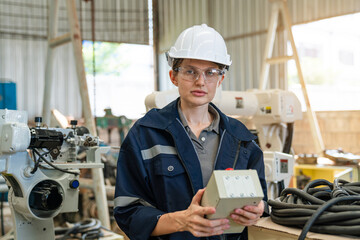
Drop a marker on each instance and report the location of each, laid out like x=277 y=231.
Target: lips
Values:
x=198 y=93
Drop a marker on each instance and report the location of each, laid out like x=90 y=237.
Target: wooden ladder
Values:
x=74 y=37
x=279 y=7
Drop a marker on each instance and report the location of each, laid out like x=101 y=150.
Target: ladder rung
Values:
x=281 y=59
x=60 y=40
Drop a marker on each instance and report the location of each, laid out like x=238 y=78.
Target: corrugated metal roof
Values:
x=123 y=21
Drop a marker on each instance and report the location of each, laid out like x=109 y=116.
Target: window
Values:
x=124 y=76
x=329 y=53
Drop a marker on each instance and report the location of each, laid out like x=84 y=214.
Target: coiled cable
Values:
x=87 y=229
x=322 y=206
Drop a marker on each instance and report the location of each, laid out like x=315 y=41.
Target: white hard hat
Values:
x=200 y=42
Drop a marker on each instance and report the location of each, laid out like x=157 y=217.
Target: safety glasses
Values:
x=192 y=74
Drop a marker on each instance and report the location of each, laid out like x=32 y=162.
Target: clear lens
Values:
x=192 y=74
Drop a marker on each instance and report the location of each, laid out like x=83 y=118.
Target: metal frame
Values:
x=74 y=37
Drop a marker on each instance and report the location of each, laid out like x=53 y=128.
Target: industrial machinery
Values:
x=272 y=112
x=40 y=167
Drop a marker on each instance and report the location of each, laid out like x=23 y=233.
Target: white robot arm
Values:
x=271 y=111
x=46 y=182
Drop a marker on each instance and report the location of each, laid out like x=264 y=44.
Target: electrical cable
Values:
x=289 y=137
x=323 y=207
x=87 y=229
x=52 y=165
x=37 y=161
x=2 y=213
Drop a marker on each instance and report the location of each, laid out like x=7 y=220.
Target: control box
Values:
x=278 y=166
x=228 y=190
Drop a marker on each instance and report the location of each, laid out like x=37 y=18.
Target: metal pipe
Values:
x=53 y=14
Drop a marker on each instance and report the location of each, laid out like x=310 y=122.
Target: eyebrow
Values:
x=200 y=68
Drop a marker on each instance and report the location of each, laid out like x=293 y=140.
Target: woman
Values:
x=168 y=156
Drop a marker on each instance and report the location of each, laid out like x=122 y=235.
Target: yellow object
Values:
x=323 y=172
x=111 y=236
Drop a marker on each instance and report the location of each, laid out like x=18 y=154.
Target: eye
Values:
x=189 y=71
x=211 y=72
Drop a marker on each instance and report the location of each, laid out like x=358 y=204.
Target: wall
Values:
x=243 y=24
x=340 y=129
x=23 y=46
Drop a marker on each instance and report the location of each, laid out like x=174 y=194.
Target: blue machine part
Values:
x=8 y=95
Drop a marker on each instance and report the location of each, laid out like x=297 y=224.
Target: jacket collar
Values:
x=162 y=118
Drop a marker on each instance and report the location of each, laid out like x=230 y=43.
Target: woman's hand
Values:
x=248 y=215
x=193 y=219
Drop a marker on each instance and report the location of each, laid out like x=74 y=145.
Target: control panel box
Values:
x=228 y=190
x=278 y=166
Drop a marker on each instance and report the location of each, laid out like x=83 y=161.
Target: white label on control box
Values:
x=239 y=186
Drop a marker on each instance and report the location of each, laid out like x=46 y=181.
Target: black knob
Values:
x=38 y=121
x=73 y=122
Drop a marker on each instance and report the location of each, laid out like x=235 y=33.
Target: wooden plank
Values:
x=280 y=7
x=97 y=173
x=314 y=125
x=276 y=60
x=269 y=46
x=57 y=41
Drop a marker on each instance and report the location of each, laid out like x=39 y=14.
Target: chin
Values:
x=200 y=101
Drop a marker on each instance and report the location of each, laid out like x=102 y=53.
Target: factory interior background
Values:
x=122 y=49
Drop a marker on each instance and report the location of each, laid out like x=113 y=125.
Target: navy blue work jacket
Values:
x=158 y=170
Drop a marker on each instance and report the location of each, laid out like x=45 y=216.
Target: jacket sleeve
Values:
x=134 y=209
x=257 y=162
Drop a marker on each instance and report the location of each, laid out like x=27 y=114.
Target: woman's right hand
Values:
x=193 y=219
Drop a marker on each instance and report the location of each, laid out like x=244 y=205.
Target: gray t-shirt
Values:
x=207 y=144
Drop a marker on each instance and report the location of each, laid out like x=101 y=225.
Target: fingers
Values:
x=204 y=227
x=197 y=198
x=197 y=224
x=249 y=215
x=244 y=217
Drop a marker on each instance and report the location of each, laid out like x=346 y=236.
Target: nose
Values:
x=201 y=79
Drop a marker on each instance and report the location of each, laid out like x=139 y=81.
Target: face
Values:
x=199 y=92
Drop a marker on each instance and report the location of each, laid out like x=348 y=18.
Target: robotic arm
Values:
x=41 y=170
x=272 y=112
x=269 y=110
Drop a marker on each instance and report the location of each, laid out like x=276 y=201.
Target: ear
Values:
x=221 y=80
x=173 y=78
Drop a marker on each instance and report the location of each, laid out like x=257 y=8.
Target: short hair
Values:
x=177 y=62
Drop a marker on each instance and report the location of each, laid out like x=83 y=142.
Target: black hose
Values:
x=333 y=207
x=322 y=209
x=2 y=213
x=289 y=137
x=88 y=229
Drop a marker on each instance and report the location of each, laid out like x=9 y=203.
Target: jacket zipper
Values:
x=217 y=154
x=237 y=154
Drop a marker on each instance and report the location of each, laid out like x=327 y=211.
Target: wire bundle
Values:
x=88 y=229
x=322 y=207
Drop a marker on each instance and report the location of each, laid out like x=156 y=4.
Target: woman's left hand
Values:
x=248 y=215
